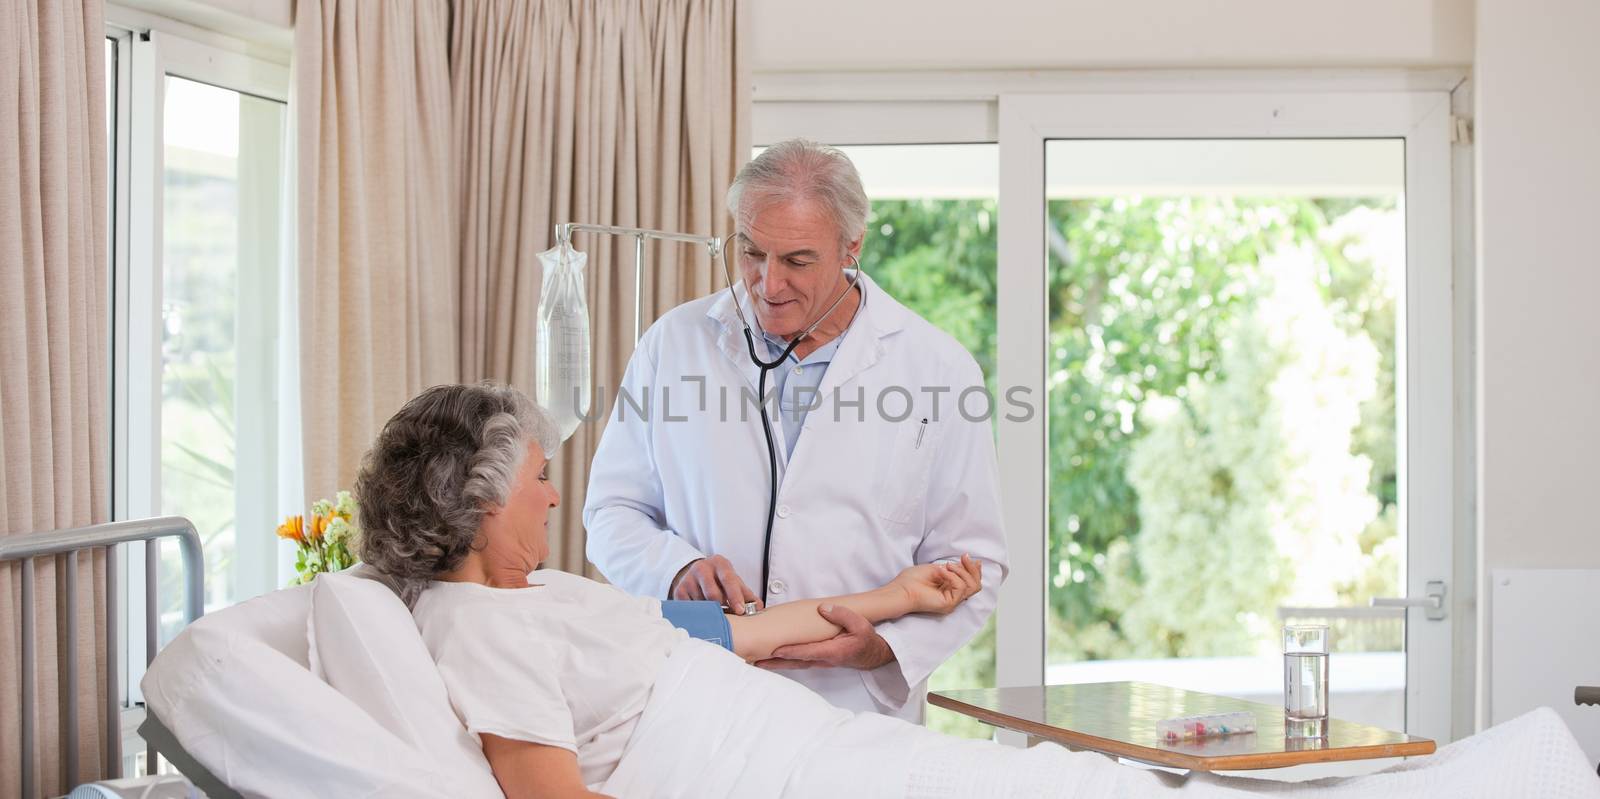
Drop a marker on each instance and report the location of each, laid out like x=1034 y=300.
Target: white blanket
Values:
x=715 y=727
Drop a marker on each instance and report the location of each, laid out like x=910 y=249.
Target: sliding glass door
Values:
x=1233 y=314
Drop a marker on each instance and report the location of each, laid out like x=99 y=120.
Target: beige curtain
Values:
x=378 y=302
x=618 y=112
x=54 y=429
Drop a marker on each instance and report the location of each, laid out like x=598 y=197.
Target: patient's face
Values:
x=517 y=535
x=792 y=262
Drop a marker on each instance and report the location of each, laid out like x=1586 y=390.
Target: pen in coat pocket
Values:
x=923 y=428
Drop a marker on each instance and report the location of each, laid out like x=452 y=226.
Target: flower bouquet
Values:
x=327 y=544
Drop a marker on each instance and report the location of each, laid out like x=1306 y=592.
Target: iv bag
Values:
x=562 y=376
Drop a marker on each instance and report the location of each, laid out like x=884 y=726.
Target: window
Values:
x=1222 y=386
x=200 y=226
x=221 y=227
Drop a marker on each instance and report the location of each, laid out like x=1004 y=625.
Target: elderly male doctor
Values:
x=878 y=465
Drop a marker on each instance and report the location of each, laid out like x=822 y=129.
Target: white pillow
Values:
x=259 y=722
x=365 y=644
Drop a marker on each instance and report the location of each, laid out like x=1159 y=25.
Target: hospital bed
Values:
x=65 y=545
x=250 y=701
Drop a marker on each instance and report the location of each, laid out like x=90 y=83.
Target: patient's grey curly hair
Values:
x=448 y=456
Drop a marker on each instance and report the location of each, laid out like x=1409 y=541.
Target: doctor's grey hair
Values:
x=799 y=169
x=440 y=463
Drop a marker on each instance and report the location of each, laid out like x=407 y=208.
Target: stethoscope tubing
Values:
x=765 y=368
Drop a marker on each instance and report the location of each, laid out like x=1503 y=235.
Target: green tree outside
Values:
x=1177 y=326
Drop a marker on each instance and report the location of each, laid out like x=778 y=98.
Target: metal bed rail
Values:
x=25 y=548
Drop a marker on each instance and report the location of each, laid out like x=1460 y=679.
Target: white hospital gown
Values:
x=568 y=663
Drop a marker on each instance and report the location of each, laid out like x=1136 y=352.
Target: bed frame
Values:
x=1587 y=695
x=68 y=543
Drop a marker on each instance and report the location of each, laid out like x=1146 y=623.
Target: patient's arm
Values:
x=927 y=588
x=532 y=770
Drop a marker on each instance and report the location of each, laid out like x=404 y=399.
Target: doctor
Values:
x=884 y=450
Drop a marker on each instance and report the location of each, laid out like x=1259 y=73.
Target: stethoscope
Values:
x=766 y=368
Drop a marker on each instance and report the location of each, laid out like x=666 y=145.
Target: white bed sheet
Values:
x=717 y=728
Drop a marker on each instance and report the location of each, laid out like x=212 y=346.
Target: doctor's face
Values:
x=517 y=534
x=792 y=263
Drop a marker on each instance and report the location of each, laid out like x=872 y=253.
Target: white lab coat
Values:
x=862 y=497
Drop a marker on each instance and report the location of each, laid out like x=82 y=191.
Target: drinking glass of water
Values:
x=1305 y=680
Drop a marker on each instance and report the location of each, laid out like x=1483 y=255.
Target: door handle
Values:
x=1432 y=600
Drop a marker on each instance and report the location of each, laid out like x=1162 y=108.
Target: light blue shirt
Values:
x=797 y=381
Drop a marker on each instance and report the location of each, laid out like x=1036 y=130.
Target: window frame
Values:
x=118 y=129
x=145 y=58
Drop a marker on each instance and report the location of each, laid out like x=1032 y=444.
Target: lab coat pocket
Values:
x=903 y=483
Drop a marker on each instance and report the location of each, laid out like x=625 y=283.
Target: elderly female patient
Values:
x=551 y=673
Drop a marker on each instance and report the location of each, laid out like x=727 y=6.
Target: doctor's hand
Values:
x=713 y=578
x=858 y=647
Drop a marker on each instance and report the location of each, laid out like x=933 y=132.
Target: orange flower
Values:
x=293 y=528
x=319 y=525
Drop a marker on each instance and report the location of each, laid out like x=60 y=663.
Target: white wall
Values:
x=830 y=35
x=836 y=35
x=1538 y=171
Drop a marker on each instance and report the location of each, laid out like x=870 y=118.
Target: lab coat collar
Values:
x=880 y=317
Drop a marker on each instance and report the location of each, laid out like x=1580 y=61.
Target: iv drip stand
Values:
x=713 y=244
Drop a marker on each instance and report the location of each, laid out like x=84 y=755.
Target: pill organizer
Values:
x=1208 y=726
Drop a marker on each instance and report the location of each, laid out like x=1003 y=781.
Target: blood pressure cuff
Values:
x=701 y=619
